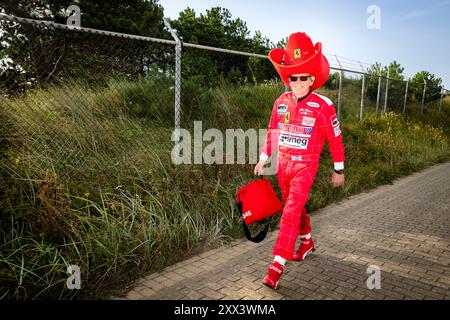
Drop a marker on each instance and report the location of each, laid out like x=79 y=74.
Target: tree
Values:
x=395 y=70
x=43 y=53
x=217 y=28
x=396 y=88
x=282 y=43
x=433 y=88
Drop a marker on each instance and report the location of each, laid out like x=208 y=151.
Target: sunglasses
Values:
x=295 y=78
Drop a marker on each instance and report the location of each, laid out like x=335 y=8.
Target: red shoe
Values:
x=306 y=247
x=273 y=275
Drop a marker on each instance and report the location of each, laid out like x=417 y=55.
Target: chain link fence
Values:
x=88 y=102
x=163 y=83
x=376 y=93
x=85 y=102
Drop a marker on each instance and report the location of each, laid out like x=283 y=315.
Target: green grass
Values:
x=87 y=177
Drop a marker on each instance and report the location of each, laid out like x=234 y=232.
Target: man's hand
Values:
x=337 y=180
x=259 y=168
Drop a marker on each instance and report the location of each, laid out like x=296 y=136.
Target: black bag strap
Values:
x=260 y=236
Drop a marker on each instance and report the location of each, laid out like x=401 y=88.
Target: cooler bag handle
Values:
x=260 y=236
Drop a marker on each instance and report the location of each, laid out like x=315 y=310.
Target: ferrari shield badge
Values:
x=287 y=116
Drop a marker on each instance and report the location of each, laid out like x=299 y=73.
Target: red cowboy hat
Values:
x=301 y=56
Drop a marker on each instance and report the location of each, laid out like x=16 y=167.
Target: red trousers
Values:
x=295 y=178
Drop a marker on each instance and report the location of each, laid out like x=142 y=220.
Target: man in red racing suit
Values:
x=300 y=123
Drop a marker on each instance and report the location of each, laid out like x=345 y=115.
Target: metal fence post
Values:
x=378 y=94
x=423 y=96
x=340 y=88
x=178 y=48
x=406 y=96
x=362 y=97
x=340 y=93
x=387 y=89
x=177 y=93
x=362 y=93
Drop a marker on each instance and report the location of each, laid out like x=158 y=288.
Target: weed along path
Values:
x=390 y=243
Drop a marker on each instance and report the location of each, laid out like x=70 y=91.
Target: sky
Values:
x=411 y=32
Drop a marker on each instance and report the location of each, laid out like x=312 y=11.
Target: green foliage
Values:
x=333 y=81
x=433 y=86
x=215 y=28
x=218 y=29
x=41 y=55
x=394 y=69
x=282 y=43
x=396 y=88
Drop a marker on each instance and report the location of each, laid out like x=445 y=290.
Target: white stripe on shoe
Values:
x=307 y=252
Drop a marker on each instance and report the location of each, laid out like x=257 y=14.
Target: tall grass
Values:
x=87 y=178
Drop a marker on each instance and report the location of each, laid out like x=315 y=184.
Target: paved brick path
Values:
x=403 y=228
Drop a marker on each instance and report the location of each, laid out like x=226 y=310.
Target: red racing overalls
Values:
x=299 y=128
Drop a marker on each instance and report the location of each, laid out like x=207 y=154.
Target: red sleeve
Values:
x=331 y=130
x=272 y=132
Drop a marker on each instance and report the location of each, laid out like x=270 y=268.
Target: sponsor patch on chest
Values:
x=295 y=130
x=308 y=121
x=282 y=109
x=304 y=111
x=293 y=141
x=313 y=104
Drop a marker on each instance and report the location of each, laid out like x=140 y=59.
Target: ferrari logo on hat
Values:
x=297 y=54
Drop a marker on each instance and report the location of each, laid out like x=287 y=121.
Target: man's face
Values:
x=300 y=83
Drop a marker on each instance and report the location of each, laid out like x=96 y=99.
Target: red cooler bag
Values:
x=257 y=201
